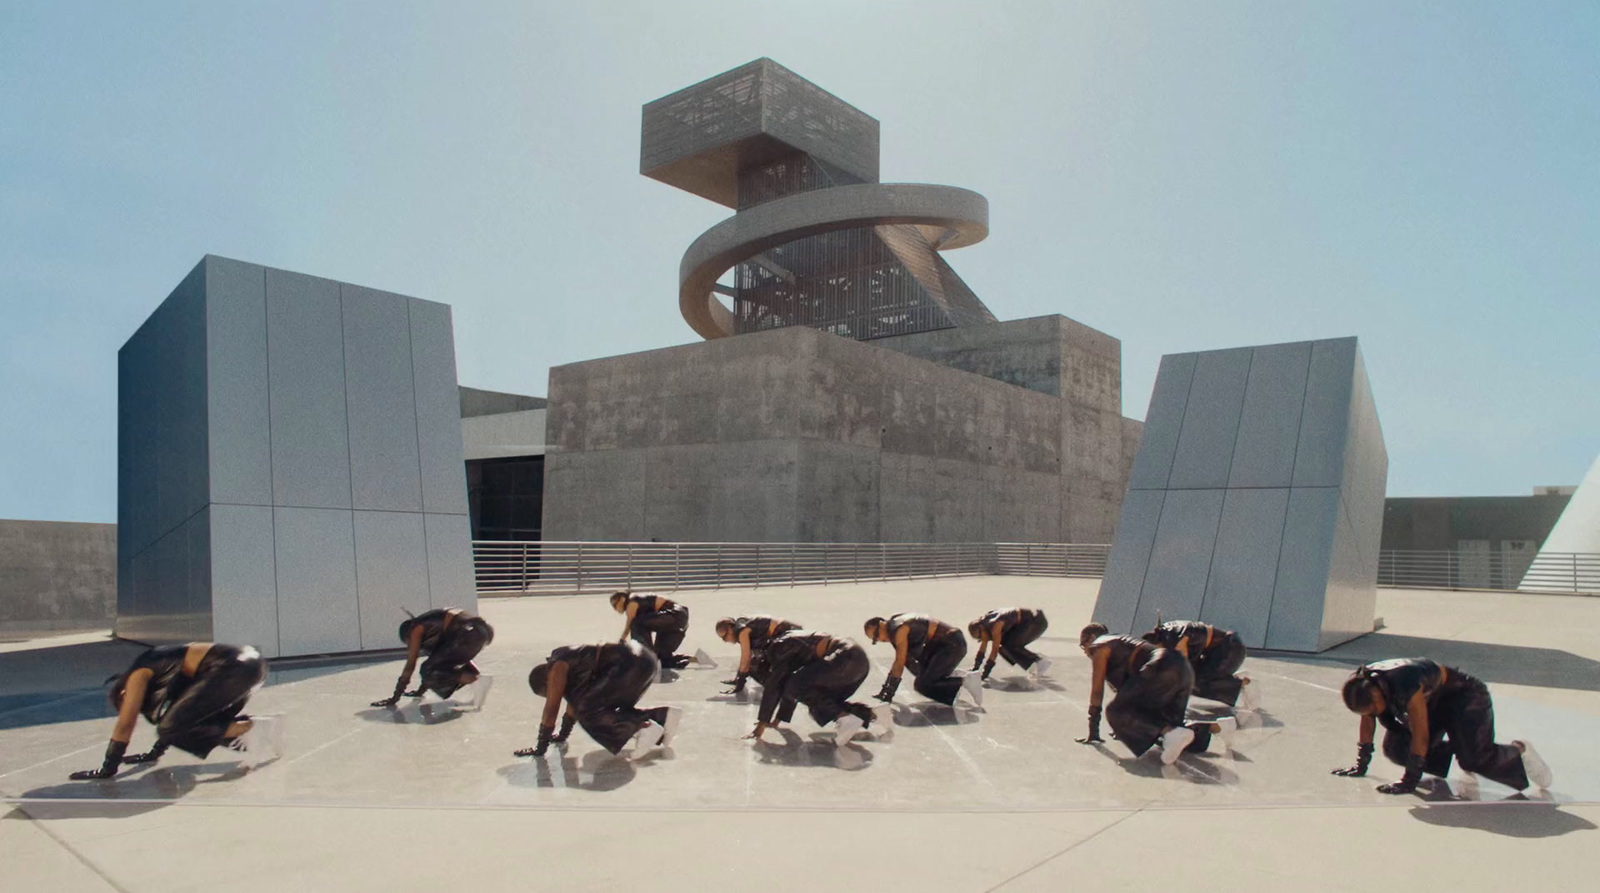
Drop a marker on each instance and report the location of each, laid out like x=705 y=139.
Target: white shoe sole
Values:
x=670 y=729
x=972 y=684
x=846 y=728
x=1538 y=771
x=1173 y=743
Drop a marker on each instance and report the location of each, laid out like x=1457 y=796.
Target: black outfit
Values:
x=451 y=642
x=1153 y=686
x=193 y=713
x=1459 y=709
x=1214 y=654
x=933 y=651
x=816 y=670
x=1022 y=626
x=660 y=629
x=763 y=630
x=604 y=684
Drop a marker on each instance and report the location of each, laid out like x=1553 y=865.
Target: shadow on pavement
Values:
x=932 y=713
x=131 y=793
x=1508 y=819
x=817 y=751
x=412 y=714
x=596 y=770
x=1509 y=664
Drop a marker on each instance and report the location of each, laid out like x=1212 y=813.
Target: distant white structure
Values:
x=1577 y=531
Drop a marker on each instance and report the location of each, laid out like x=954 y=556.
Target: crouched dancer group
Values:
x=1433 y=715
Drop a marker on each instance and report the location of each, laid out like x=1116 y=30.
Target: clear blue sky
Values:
x=1182 y=176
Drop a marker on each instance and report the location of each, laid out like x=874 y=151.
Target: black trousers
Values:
x=825 y=686
x=1014 y=641
x=451 y=659
x=661 y=631
x=933 y=666
x=1213 y=670
x=197 y=720
x=1152 y=700
x=1461 y=727
x=606 y=705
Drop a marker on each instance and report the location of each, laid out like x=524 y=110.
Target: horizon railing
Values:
x=565 y=568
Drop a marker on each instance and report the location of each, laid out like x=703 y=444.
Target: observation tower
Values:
x=815 y=239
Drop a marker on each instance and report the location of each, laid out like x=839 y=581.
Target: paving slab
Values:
x=1017 y=798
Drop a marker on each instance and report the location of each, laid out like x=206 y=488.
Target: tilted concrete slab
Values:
x=1255 y=502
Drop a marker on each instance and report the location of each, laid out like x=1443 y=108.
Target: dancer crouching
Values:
x=1421 y=704
x=601 y=685
x=1214 y=654
x=816 y=670
x=655 y=622
x=1010 y=630
x=452 y=638
x=1152 y=687
x=195 y=695
x=752 y=634
x=931 y=650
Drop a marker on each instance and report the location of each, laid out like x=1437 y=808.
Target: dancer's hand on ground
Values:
x=114 y=753
x=1363 y=759
x=1094 y=728
x=387 y=702
x=1398 y=787
x=567 y=722
x=149 y=756
x=890 y=686
x=545 y=734
x=755 y=734
x=416 y=692
x=977 y=661
x=1091 y=739
x=93 y=774
x=987 y=669
x=1351 y=771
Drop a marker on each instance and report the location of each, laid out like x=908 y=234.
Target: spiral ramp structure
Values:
x=815 y=240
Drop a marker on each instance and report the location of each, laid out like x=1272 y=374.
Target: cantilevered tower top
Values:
x=700 y=138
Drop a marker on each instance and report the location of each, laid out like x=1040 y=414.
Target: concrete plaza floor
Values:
x=955 y=799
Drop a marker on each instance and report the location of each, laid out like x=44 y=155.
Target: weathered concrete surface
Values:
x=57 y=576
x=797 y=435
x=1023 y=805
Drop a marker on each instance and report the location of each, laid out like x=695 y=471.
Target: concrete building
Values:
x=56 y=576
x=502 y=438
x=289 y=464
x=868 y=395
x=1256 y=498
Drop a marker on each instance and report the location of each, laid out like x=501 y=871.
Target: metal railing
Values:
x=560 y=568
x=1548 y=572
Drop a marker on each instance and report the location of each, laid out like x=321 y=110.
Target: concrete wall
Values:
x=797 y=435
x=1439 y=523
x=1255 y=501
x=57 y=576
x=290 y=464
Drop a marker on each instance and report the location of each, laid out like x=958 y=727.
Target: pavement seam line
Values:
x=73 y=850
x=1062 y=852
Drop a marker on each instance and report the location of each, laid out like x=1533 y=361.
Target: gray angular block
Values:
x=318 y=611
x=257 y=410
x=1286 y=552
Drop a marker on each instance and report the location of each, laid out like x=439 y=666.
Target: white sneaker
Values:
x=1534 y=765
x=263 y=741
x=972 y=684
x=1249 y=698
x=1040 y=668
x=670 y=728
x=647 y=738
x=703 y=660
x=845 y=728
x=1226 y=727
x=478 y=692
x=883 y=721
x=1173 y=743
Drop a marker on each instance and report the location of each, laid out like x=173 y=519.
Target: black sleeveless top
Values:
x=167 y=681
x=1403 y=677
x=1127 y=656
x=587 y=662
x=922 y=630
x=763 y=629
x=647 y=603
x=1011 y=617
x=433 y=624
x=1172 y=632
